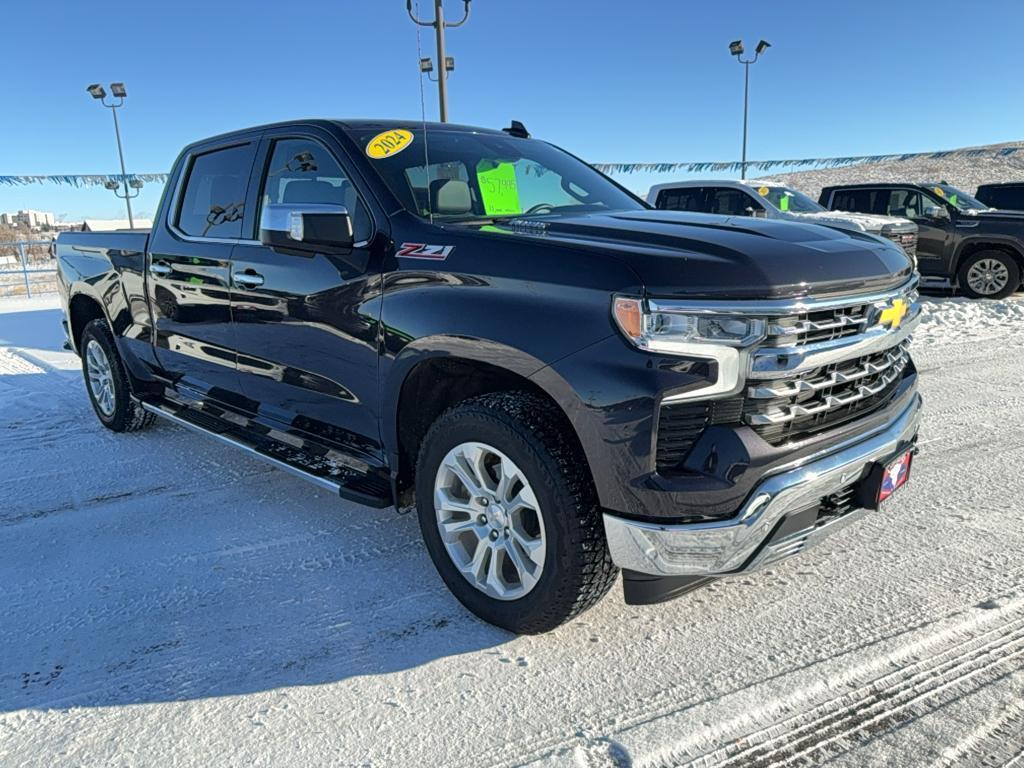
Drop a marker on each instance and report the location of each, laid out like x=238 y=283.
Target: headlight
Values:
x=676 y=332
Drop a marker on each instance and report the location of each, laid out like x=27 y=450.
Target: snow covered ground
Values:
x=165 y=601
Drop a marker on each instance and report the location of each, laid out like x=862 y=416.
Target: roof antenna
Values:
x=518 y=130
x=423 y=113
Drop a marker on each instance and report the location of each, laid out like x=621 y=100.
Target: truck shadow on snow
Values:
x=161 y=566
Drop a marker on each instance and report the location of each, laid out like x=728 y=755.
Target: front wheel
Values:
x=509 y=513
x=989 y=275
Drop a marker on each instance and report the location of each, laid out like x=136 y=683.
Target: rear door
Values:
x=306 y=324
x=188 y=285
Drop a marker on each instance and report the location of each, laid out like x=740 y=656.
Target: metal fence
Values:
x=27 y=268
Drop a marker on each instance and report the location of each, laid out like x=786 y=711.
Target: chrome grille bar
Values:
x=790 y=412
x=796 y=386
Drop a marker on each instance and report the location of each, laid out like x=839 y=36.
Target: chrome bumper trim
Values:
x=728 y=546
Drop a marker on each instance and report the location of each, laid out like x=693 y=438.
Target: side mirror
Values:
x=307 y=228
x=936 y=212
x=757 y=213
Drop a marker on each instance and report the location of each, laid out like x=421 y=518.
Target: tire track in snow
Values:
x=946 y=672
x=552 y=742
x=997 y=742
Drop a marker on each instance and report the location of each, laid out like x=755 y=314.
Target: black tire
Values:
x=1001 y=257
x=577 y=570
x=126 y=414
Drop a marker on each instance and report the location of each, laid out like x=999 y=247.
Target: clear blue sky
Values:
x=648 y=80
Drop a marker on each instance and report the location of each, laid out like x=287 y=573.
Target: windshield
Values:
x=788 y=200
x=464 y=175
x=961 y=200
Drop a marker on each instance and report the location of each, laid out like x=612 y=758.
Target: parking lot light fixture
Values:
x=118 y=90
x=736 y=49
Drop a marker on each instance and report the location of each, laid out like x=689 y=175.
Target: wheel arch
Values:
x=432 y=375
x=973 y=245
x=83 y=308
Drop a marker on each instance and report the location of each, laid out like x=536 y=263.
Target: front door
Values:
x=933 y=234
x=306 y=324
x=189 y=271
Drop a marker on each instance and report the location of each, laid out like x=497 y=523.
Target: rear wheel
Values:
x=989 y=275
x=106 y=381
x=509 y=513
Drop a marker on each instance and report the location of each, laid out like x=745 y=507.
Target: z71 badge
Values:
x=425 y=251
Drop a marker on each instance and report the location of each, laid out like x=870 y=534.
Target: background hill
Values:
x=963 y=172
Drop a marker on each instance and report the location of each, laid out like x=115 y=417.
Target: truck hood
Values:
x=995 y=214
x=861 y=222
x=703 y=255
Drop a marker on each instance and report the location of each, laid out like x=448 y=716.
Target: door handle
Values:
x=159 y=269
x=248 y=279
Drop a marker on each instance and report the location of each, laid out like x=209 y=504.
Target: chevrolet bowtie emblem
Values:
x=893 y=315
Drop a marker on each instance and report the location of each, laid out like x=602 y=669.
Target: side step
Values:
x=347 y=482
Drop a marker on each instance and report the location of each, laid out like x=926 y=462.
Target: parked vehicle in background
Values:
x=962 y=243
x=1005 y=197
x=769 y=199
x=480 y=326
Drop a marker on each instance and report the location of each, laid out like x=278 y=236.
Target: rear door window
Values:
x=682 y=199
x=213 y=201
x=855 y=200
x=1011 y=198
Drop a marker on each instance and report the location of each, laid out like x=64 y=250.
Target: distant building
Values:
x=109 y=225
x=31 y=219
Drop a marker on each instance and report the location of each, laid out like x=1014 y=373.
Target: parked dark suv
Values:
x=1007 y=197
x=961 y=242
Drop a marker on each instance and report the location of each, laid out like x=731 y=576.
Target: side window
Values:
x=214 y=197
x=855 y=200
x=730 y=202
x=304 y=171
x=907 y=203
x=682 y=199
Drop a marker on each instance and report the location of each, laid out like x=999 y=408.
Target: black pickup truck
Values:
x=962 y=243
x=560 y=380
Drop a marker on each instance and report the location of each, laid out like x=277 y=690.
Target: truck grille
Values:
x=784 y=409
x=824 y=325
x=821 y=363
x=906 y=240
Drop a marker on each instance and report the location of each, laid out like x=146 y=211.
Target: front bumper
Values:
x=779 y=518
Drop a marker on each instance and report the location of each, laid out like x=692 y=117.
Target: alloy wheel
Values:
x=489 y=520
x=100 y=377
x=987 y=276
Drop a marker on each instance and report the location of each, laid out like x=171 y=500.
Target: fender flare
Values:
x=1011 y=242
x=496 y=354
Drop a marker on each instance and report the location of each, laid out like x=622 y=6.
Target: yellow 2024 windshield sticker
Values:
x=388 y=143
x=763 y=191
x=498 y=188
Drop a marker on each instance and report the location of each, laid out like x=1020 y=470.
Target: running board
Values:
x=348 y=483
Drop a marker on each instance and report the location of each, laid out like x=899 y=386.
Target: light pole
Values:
x=117 y=90
x=446 y=63
x=736 y=49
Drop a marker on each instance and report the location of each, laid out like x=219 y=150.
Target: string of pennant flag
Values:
x=806 y=162
x=86 y=180
x=99 y=179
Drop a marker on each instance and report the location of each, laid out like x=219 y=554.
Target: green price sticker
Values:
x=498 y=188
x=784 y=203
